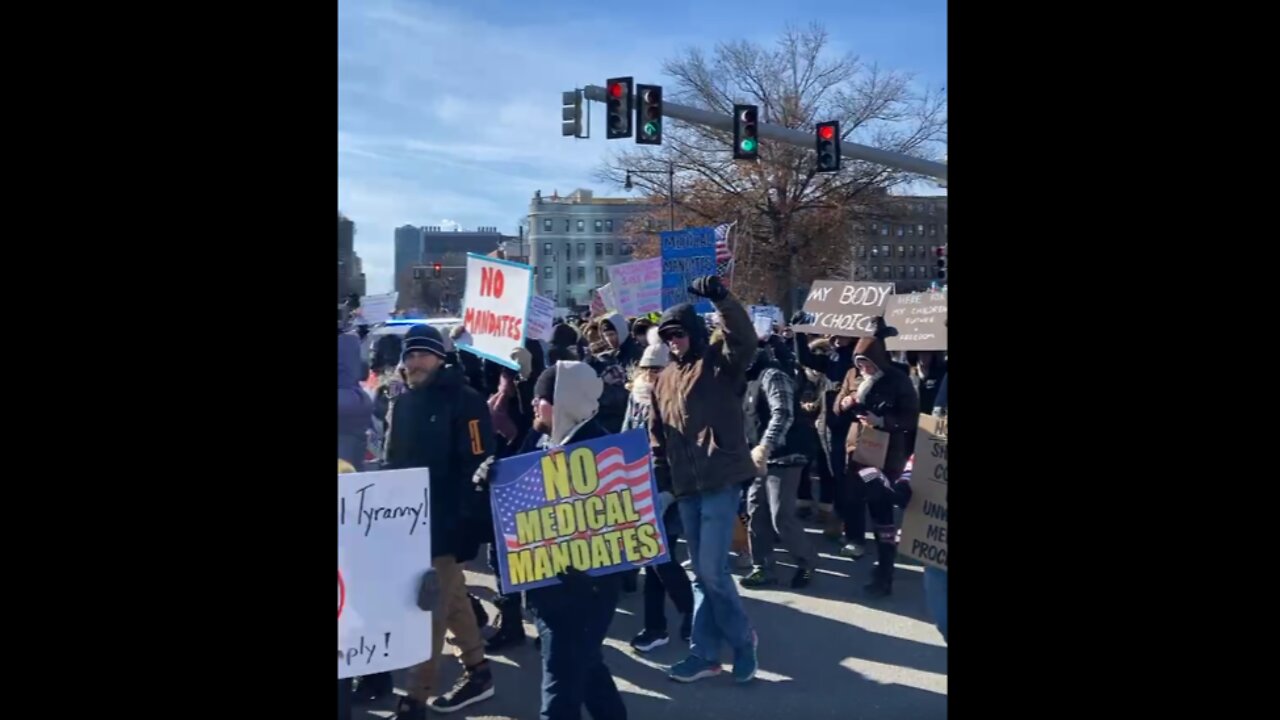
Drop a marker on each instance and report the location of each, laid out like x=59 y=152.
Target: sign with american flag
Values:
x=686 y=256
x=724 y=254
x=592 y=506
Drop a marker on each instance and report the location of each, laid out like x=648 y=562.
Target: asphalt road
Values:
x=825 y=652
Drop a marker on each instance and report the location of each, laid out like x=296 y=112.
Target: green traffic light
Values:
x=651 y=128
x=749 y=145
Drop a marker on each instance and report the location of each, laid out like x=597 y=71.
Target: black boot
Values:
x=510 y=625
x=881 y=584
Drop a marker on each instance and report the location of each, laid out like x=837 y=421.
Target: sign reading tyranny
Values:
x=496 y=304
x=384 y=547
x=686 y=256
x=924 y=521
x=844 y=308
x=590 y=506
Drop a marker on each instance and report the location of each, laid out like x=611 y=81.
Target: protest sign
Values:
x=638 y=286
x=686 y=256
x=924 y=522
x=541 y=315
x=597 y=303
x=496 y=304
x=921 y=321
x=592 y=506
x=384 y=548
x=608 y=297
x=773 y=312
x=376 y=309
x=836 y=307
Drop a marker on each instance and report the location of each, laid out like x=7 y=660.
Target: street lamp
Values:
x=671 y=187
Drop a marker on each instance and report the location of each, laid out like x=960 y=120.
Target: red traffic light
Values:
x=616 y=90
x=826 y=132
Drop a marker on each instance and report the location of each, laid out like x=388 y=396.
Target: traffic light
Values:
x=828 y=146
x=746 y=132
x=571 y=114
x=418 y=274
x=436 y=269
x=619 y=108
x=942 y=261
x=649 y=115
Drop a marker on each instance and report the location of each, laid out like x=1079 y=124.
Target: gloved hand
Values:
x=484 y=474
x=760 y=456
x=710 y=288
x=800 y=318
x=873 y=420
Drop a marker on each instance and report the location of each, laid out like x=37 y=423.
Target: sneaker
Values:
x=853 y=550
x=686 y=628
x=409 y=709
x=802 y=578
x=746 y=663
x=693 y=668
x=687 y=564
x=757 y=578
x=474 y=686
x=648 y=640
x=505 y=638
x=742 y=561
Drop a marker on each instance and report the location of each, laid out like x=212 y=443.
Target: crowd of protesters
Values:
x=743 y=422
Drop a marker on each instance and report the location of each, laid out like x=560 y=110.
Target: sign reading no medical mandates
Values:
x=592 y=506
x=496 y=305
x=384 y=548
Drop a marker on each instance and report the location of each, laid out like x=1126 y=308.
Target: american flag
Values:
x=527 y=492
x=724 y=255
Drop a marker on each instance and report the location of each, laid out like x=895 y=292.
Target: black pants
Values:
x=344 y=699
x=663 y=580
x=851 y=505
x=509 y=614
x=573 y=623
x=886 y=538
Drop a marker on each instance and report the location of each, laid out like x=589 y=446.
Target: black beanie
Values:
x=545 y=387
x=564 y=336
x=423 y=338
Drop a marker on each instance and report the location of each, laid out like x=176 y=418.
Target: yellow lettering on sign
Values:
x=580 y=551
x=582 y=463
x=542 y=563
x=547 y=515
x=555 y=477
x=614 y=514
x=629 y=507
x=560 y=558
x=648 y=536
x=599 y=552
x=564 y=520
x=632 y=544
x=520 y=567
x=593 y=509
x=527 y=528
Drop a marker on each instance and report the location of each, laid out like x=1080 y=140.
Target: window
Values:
x=933 y=230
x=920 y=230
x=546 y=224
x=546 y=249
x=875 y=251
x=582 y=225
x=568 y=275
x=599 y=275
x=862 y=251
x=608 y=225
x=599 y=249
x=902 y=271
x=582 y=250
x=875 y=271
x=568 y=251
x=899 y=230
x=566 y=224
x=923 y=272
x=920 y=250
x=911 y=271
x=902 y=251
x=599 y=225
x=884 y=230
x=944 y=228
x=608 y=249
x=911 y=230
x=875 y=228
x=548 y=271
x=886 y=251
x=582 y=274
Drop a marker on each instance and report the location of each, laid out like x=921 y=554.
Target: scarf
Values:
x=866 y=385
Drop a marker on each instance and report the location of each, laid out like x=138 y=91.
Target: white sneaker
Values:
x=687 y=564
x=853 y=550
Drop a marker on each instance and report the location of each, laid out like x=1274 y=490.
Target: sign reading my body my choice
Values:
x=686 y=256
x=591 y=506
x=844 y=308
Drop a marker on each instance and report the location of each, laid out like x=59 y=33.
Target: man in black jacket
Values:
x=442 y=424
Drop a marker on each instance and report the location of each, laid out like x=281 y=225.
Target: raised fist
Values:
x=710 y=288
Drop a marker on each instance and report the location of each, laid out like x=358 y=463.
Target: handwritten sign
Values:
x=924 y=522
x=592 y=507
x=686 y=256
x=836 y=307
x=608 y=297
x=921 y=321
x=638 y=286
x=773 y=312
x=376 y=309
x=496 y=304
x=384 y=548
x=541 y=315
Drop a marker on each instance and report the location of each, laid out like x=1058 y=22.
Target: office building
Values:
x=901 y=244
x=573 y=239
x=350 y=269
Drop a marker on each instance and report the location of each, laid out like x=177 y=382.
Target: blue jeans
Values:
x=573 y=623
x=935 y=596
x=718 y=617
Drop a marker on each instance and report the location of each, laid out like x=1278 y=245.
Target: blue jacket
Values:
x=355 y=407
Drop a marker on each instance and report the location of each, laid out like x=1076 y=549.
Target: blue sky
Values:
x=449 y=111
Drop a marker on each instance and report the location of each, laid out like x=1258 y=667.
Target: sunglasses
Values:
x=670 y=335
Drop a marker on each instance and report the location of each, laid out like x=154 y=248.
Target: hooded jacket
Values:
x=696 y=426
x=890 y=396
x=445 y=426
x=355 y=407
x=771 y=410
x=577 y=403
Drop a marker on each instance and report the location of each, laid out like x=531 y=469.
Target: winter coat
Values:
x=696 y=428
x=355 y=407
x=890 y=397
x=771 y=411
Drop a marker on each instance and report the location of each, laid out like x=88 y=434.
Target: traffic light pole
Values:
x=850 y=150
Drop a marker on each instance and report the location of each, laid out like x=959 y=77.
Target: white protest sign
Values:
x=609 y=297
x=773 y=312
x=376 y=309
x=638 y=286
x=541 y=315
x=384 y=549
x=496 y=305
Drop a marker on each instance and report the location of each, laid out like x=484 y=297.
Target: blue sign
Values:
x=592 y=506
x=686 y=256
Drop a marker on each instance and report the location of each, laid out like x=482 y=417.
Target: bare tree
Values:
x=788 y=215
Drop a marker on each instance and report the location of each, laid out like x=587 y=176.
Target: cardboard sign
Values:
x=921 y=321
x=836 y=307
x=496 y=304
x=924 y=522
x=638 y=286
x=541 y=315
x=376 y=309
x=384 y=549
x=592 y=506
x=686 y=256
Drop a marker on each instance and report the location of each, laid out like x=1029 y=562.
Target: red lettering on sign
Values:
x=342 y=593
x=491 y=282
